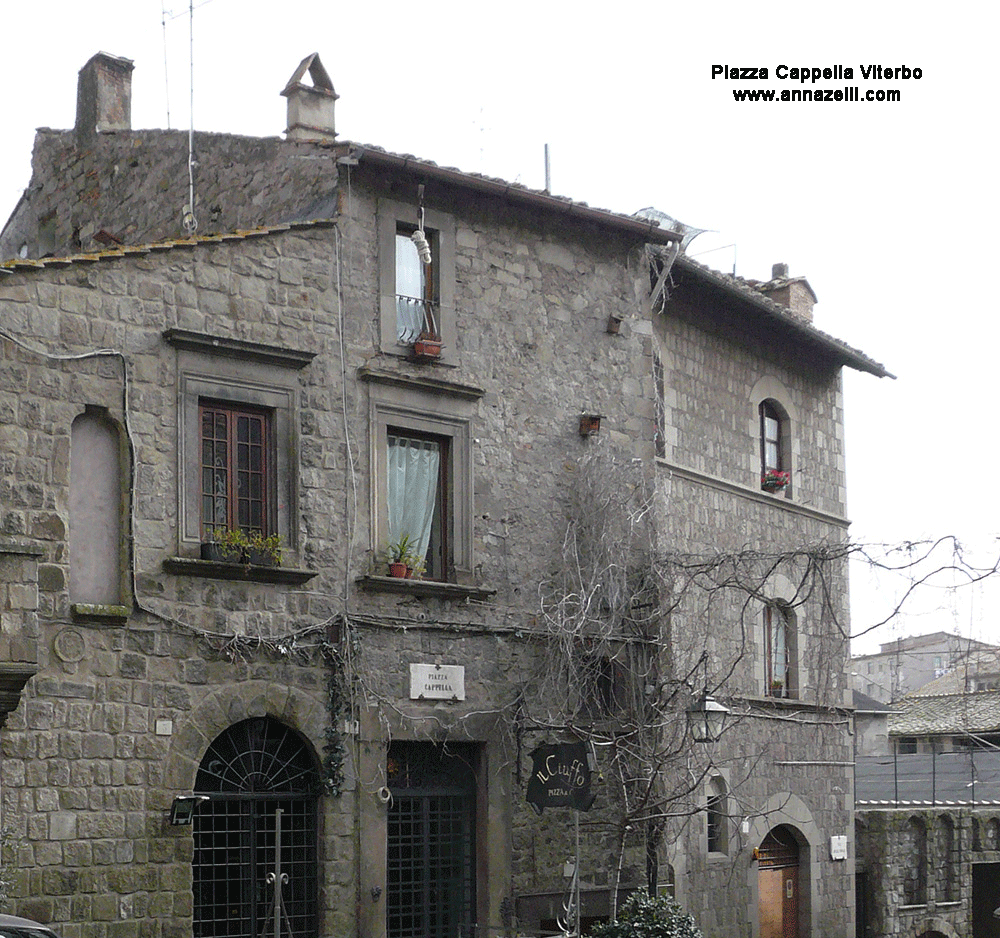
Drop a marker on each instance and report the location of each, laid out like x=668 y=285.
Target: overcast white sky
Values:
x=889 y=209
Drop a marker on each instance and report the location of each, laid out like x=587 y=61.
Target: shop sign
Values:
x=560 y=777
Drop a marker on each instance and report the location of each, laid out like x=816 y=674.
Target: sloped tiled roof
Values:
x=19 y=264
x=946 y=714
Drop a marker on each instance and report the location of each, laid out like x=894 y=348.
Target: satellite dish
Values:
x=687 y=232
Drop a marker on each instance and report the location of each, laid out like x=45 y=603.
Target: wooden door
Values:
x=778 y=885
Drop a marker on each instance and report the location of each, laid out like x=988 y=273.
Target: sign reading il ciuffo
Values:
x=813 y=73
x=560 y=777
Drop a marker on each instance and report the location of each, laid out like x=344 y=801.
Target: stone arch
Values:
x=790 y=811
x=931 y=927
x=219 y=710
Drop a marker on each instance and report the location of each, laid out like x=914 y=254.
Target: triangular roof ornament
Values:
x=320 y=78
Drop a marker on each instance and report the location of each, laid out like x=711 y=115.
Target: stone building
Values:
x=565 y=414
x=906 y=665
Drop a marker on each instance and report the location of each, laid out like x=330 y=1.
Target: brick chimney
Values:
x=103 y=96
x=794 y=293
x=310 y=107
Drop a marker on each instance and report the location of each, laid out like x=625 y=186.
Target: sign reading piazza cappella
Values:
x=437 y=682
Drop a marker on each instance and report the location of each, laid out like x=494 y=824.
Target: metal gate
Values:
x=430 y=857
x=253 y=769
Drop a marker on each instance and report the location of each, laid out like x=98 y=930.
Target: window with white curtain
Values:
x=416 y=497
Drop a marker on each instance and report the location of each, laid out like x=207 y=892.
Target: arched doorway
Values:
x=260 y=777
x=778 y=884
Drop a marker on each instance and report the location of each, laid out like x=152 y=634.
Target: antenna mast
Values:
x=190 y=222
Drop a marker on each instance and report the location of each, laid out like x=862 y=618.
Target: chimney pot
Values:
x=310 y=107
x=103 y=96
x=779 y=271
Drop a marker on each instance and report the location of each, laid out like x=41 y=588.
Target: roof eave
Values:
x=642 y=228
x=840 y=351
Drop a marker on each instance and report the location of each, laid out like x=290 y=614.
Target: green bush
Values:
x=643 y=916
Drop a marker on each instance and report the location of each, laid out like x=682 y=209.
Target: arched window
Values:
x=770 y=437
x=780 y=651
x=262 y=784
x=775 y=448
x=717 y=812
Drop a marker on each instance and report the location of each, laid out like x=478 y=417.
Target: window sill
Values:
x=424 y=588
x=184 y=566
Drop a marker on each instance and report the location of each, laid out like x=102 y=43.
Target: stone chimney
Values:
x=794 y=293
x=103 y=96
x=310 y=107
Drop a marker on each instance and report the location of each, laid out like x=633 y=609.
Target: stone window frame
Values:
x=777 y=591
x=433 y=408
x=440 y=228
x=243 y=374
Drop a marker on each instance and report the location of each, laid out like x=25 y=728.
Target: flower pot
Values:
x=219 y=553
x=259 y=558
x=398 y=570
x=426 y=348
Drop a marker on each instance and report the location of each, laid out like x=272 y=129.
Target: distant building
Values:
x=903 y=666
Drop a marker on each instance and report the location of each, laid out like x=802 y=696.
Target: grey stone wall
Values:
x=133 y=185
x=87 y=778
x=891 y=860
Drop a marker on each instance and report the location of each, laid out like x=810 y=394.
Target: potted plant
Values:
x=236 y=546
x=777 y=688
x=264 y=551
x=225 y=546
x=399 y=556
x=775 y=480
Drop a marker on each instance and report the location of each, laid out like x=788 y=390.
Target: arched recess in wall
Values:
x=950 y=858
x=98 y=550
x=769 y=397
x=915 y=849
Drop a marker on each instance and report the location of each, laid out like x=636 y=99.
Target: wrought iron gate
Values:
x=431 y=860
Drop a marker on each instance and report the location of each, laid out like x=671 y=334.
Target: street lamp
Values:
x=706 y=719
